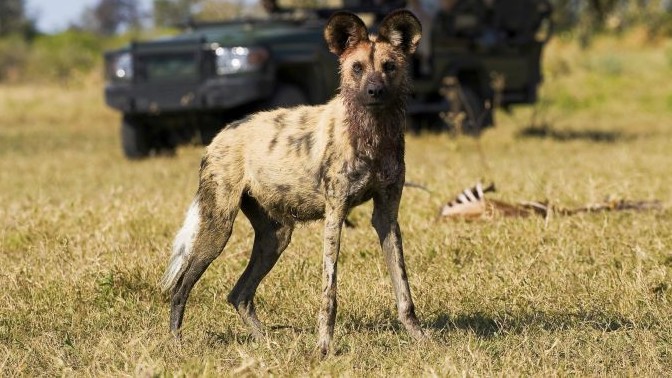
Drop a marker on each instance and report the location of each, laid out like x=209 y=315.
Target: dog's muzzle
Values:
x=375 y=95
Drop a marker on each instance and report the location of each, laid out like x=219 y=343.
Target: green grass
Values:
x=85 y=236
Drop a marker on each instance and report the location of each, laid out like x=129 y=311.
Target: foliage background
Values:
x=27 y=55
x=85 y=236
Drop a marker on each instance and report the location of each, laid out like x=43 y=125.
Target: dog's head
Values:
x=373 y=67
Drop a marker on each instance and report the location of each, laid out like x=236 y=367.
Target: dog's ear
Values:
x=402 y=30
x=343 y=31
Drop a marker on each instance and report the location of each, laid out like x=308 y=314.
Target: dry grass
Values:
x=85 y=234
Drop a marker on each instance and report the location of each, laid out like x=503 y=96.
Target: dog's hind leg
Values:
x=270 y=240
x=210 y=231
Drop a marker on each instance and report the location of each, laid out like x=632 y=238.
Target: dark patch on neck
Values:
x=377 y=135
x=378 y=132
x=375 y=132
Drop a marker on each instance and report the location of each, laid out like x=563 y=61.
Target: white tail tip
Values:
x=182 y=246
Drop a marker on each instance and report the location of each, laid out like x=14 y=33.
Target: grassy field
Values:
x=85 y=236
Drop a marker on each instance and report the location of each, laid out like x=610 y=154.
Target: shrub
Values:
x=63 y=56
x=13 y=56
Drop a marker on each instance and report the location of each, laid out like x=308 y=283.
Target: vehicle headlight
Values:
x=239 y=59
x=122 y=66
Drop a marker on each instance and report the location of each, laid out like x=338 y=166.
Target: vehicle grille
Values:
x=168 y=67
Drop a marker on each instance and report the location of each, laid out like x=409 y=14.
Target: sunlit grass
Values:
x=85 y=235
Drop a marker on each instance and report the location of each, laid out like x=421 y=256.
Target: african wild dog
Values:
x=306 y=163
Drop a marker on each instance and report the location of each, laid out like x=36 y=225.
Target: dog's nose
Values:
x=375 y=90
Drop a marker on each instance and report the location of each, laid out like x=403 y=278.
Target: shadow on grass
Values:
x=230 y=336
x=481 y=324
x=485 y=325
x=548 y=132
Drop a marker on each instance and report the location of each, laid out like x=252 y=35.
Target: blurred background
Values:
x=71 y=35
x=85 y=233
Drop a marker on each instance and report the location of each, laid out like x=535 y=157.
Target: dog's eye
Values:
x=389 y=67
x=357 y=68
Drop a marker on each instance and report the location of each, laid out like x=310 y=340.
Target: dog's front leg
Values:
x=334 y=216
x=385 y=209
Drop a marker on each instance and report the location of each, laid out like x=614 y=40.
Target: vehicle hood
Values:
x=254 y=32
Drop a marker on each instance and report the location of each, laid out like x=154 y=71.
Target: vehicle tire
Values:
x=285 y=96
x=426 y=122
x=473 y=107
x=134 y=139
x=164 y=143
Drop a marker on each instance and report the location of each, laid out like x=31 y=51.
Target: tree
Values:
x=13 y=19
x=217 y=10
x=600 y=9
x=110 y=16
x=170 y=13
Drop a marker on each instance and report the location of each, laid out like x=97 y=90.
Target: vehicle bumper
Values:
x=213 y=94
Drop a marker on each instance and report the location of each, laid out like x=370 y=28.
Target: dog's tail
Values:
x=182 y=247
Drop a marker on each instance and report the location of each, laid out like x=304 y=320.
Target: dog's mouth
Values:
x=375 y=104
